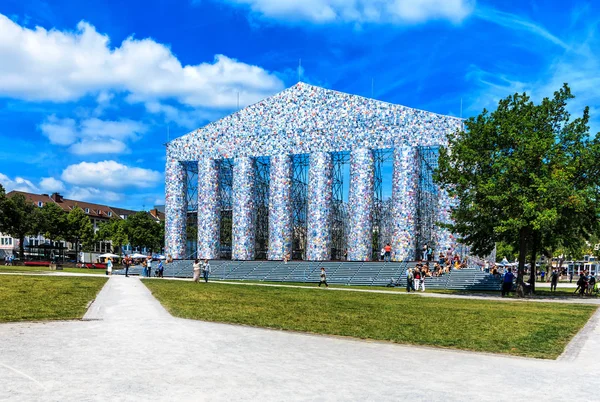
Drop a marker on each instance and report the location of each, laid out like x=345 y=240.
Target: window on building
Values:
x=40 y=204
x=87 y=210
x=109 y=213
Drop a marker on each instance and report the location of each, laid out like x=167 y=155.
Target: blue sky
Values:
x=89 y=90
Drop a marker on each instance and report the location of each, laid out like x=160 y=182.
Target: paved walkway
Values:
x=130 y=348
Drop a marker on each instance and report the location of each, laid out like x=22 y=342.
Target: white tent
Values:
x=108 y=255
x=138 y=255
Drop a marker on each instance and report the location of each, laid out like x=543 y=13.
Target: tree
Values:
x=143 y=231
x=52 y=221
x=20 y=219
x=80 y=230
x=525 y=174
x=115 y=231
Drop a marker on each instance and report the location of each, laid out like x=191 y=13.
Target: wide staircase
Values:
x=341 y=273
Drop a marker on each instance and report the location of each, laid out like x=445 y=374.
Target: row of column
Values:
x=361 y=198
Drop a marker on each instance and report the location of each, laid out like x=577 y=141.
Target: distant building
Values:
x=96 y=212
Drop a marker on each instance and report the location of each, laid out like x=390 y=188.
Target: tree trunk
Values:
x=533 y=270
x=22 y=248
x=523 y=235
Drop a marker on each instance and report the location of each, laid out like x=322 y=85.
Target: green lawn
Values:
x=34 y=298
x=539 y=330
x=539 y=293
x=19 y=268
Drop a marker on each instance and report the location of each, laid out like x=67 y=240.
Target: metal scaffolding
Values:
x=382 y=231
x=261 y=206
x=226 y=202
x=427 y=199
x=299 y=200
x=339 y=206
x=191 y=247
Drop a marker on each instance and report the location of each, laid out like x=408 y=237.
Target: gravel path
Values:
x=129 y=348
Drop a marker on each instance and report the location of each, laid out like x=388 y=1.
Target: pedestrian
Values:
x=591 y=284
x=196 y=270
x=553 y=280
x=543 y=275
x=507 y=282
x=149 y=265
x=388 y=252
x=409 y=280
x=323 y=278
x=571 y=277
x=581 y=284
x=109 y=265
x=161 y=269
x=430 y=254
x=127 y=263
x=382 y=253
x=205 y=270
x=417 y=277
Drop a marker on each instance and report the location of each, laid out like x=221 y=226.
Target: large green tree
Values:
x=79 y=230
x=143 y=231
x=52 y=222
x=526 y=174
x=20 y=219
x=115 y=231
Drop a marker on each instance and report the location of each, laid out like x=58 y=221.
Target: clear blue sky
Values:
x=89 y=89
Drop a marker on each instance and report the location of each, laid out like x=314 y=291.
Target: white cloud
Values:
x=122 y=129
x=92 y=136
x=51 y=185
x=59 y=131
x=360 y=11
x=98 y=146
x=40 y=64
x=577 y=64
x=18 y=184
x=110 y=174
x=92 y=194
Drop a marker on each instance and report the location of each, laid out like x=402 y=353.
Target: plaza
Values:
x=128 y=347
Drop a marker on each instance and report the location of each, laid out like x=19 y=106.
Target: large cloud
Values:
x=17 y=184
x=40 y=64
x=51 y=185
x=110 y=174
x=92 y=136
x=360 y=11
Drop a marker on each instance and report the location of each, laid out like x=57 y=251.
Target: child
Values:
x=323 y=278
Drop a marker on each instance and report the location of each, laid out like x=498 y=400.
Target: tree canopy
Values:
x=79 y=229
x=526 y=174
x=143 y=231
x=20 y=219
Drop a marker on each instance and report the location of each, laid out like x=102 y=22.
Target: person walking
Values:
x=382 y=253
x=205 y=270
x=161 y=269
x=507 y=282
x=323 y=278
x=109 y=266
x=409 y=280
x=149 y=265
x=127 y=263
x=196 y=270
x=553 y=280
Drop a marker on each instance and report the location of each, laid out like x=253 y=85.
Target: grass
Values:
x=36 y=298
x=539 y=293
x=14 y=269
x=539 y=330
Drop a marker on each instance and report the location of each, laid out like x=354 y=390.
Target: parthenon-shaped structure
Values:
x=304 y=119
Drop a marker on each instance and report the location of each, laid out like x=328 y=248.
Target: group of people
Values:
x=415 y=278
x=203 y=266
x=9 y=259
x=586 y=284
